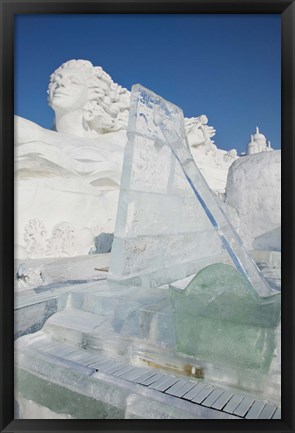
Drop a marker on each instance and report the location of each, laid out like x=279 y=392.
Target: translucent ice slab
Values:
x=169 y=223
x=216 y=319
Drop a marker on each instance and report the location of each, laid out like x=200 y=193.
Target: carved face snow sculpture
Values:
x=198 y=132
x=86 y=101
x=68 y=90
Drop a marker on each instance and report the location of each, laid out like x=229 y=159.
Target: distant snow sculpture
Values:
x=199 y=134
x=231 y=155
x=62 y=242
x=258 y=143
x=86 y=101
x=35 y=237
x=259 y=207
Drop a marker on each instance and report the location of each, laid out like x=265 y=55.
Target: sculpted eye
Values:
x=74 y=80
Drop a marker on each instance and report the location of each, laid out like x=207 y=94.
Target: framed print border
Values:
x=10 y=8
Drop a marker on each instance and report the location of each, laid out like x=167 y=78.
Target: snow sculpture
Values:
x=231 y=155
x=62 y=177
x=199 y=134
x=62 y=242
x=258 y=143
x=260 y=223
x=86 y=101
x=78 y=165
x=169 y=223
x=35 y=237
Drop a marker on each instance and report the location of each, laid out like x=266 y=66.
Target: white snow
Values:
x=67 y=190
x=67 y=187
x=254 y=190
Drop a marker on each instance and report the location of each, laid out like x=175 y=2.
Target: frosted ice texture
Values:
x=169 y=223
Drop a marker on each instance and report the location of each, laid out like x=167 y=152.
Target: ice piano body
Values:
x=171 y=226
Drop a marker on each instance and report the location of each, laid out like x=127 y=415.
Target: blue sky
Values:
x=224 y=66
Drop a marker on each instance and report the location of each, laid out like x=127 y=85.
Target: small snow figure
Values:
x=62 y=242
x=35 y=237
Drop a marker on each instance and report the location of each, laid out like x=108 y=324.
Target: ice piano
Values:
x=185 y=325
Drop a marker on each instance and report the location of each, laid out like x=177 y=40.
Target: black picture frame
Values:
x=10 y=8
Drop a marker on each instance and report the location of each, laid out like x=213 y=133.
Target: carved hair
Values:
x=107 y=101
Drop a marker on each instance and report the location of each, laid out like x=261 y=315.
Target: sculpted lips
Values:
x=59 y=93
